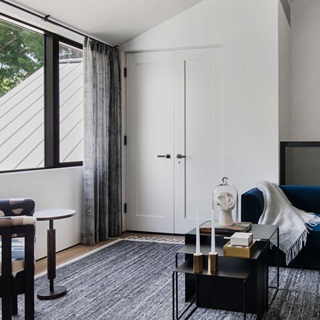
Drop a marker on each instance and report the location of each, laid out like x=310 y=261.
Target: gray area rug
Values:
x=131 y=280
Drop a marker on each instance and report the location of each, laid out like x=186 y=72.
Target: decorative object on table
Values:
x=238 y=251
x=236 y=227
x=225 y=203
x=213 y=255
x=197 y=256
x=241 y=239
x=212 y=262
x=197 y=262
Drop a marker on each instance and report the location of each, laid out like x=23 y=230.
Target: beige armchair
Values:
x=17 y=230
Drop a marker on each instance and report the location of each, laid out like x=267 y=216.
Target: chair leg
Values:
x=7 y=298
x=6 y=275
x=7 y=304
x=29 y=275
x=29 y=302
x=14 y=304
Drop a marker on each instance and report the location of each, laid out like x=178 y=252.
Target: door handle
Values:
x=167 y=156
x=180 y=156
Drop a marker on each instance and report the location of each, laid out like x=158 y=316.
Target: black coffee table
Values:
x=240 y=284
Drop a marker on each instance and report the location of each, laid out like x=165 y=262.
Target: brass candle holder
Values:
x=212 y=262
x=197 y=263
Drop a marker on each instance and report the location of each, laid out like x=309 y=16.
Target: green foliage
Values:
x=66 y=52
x=21 y=54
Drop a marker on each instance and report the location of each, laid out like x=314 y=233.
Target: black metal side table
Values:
x=239 y=284
x=52 y=292
x=261 y=232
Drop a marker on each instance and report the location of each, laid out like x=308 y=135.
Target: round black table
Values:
x=52 y=292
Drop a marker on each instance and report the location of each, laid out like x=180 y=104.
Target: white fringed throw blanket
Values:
x=291 y=221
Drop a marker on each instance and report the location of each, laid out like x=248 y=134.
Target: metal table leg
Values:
x=51 y=292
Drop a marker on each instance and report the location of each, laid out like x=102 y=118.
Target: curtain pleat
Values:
x=102 y=213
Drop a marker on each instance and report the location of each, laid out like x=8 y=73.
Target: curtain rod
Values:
x=46 y=19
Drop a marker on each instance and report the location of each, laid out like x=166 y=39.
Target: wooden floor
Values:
x=78 y=250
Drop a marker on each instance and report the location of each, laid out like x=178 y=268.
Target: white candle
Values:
x=213 y=239
x=197 y=233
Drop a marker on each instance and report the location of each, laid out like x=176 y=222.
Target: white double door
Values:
x=174 y=130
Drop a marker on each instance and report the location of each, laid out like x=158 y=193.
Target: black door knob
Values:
x=167 y=156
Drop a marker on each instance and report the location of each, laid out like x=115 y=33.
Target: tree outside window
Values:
x=21 y=54
x=23 y=143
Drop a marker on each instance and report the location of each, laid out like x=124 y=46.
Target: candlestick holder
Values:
x=197 y=263
x=212 y=262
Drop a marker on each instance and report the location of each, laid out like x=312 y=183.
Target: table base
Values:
x=47 y=294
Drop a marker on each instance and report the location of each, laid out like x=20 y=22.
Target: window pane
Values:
x=71 y=104
x=21 y=98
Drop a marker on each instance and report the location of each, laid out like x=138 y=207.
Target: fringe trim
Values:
x=296 y=247
x=154 y=239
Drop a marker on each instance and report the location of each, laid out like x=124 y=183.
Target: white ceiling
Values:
x=111 y=21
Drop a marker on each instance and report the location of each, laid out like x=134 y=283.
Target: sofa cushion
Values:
x=313 y=241
x=304 y=197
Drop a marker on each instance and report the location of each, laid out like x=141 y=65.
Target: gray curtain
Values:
x=101 y=216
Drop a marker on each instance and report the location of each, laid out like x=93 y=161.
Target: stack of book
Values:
x=227 y=230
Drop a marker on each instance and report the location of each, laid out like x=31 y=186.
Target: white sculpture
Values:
x=226 y=202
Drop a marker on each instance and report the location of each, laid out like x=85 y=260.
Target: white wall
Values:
x=248 y=31
x=51 y=189
x=305 y=25
x=285 y=113
x=54 y=188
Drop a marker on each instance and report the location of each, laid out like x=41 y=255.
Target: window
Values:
x=299 y=163
x=71 y=108
x=41 y=112
x=21 y=98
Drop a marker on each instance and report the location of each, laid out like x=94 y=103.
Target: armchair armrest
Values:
x=252 y=205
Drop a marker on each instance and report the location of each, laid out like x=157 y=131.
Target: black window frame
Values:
x=51 y=97
x=291 y=144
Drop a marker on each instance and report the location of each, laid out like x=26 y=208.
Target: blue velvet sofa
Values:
x=306 y=198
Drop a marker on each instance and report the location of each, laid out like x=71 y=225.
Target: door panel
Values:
x=198 y=78
x=150 y=131
x=174 y=106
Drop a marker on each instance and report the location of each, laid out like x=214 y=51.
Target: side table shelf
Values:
x=237 y=275
x=261 y=232
x=239 y=285
x=185 y=267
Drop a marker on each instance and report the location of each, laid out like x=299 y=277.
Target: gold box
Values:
x=238 y=251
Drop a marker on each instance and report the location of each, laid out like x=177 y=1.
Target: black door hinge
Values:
x=125 y=208
x=125 y=72
x=125 y=140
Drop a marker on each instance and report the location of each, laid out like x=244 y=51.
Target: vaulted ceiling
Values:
x=111 y=21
